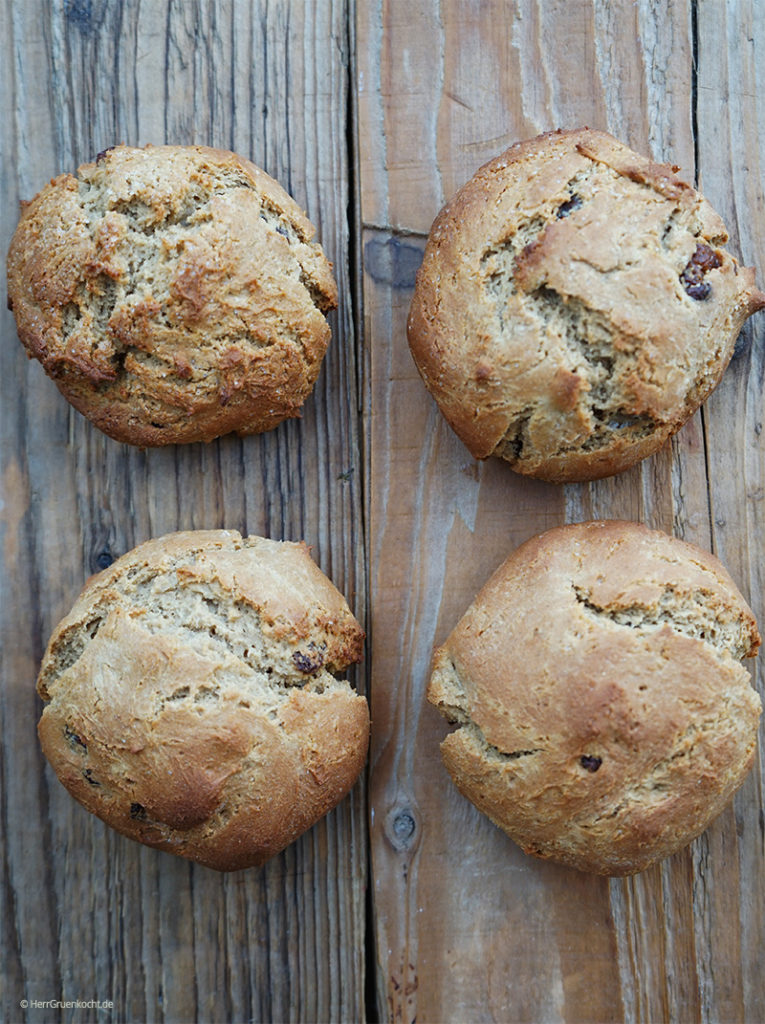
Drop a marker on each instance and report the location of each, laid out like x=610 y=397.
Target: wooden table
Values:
x=404 y=903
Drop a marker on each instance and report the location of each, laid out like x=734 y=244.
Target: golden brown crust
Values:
x=174 y=293
x=605 y=717
x=192 y=701
x=571 y=259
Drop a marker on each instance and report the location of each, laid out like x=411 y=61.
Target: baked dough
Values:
x=575 y=306
x=174 y=294
x=604 y=716
x=193 y=700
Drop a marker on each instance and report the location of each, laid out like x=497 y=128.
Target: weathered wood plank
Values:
x=730 y=907
x=467 y=928
x=87 y=914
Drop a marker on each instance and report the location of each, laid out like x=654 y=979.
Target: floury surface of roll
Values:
x=575 y=306
x=603 y=716
x=194 y=699
x=173 y=293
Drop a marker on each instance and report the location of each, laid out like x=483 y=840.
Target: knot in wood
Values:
x=402 y=828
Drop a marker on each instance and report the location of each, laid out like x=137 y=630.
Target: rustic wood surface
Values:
x=85 y=914
x=467 y=927
x=404 y=903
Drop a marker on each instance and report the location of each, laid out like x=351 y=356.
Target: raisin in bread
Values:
x=575 y=305
x=603 y=715
x=174 y=294
x=195 y=700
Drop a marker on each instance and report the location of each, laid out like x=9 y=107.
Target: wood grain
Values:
x=731 y=38
x=371 y=114
x=86 y=914
x=467 y=927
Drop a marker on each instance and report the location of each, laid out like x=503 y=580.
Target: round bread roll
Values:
x=575 y=306
x=193 y=700
x=173 y=293
x=604 y=715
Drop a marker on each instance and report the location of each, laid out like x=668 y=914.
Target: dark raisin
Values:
x=569 y=206
x=706 y=258
x=306 y=662
x=102 y=155
x=138 y=812
x=74 y=740
x=703 y=260
x=699 y=291
x=88 y=774
x=282 y=230
x=590 y=762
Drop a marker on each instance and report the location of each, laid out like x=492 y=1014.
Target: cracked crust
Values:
x=193 y=700
x=575 y=306
x=173 y=293
x=604 y=716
